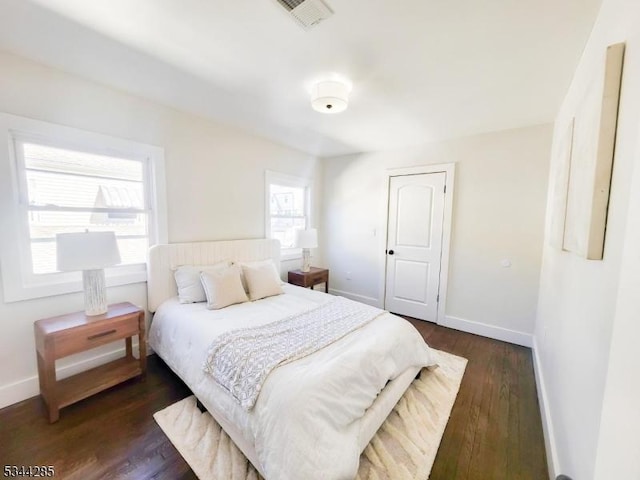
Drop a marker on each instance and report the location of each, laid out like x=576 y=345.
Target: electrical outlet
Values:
x=348 y=276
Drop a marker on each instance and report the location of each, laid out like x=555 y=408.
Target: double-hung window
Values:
x=75 y=183
x=288 y=207
x=65 y=190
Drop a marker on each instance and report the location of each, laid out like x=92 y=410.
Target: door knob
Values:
x=391 y=252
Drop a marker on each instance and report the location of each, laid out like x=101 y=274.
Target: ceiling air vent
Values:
x=308 y=13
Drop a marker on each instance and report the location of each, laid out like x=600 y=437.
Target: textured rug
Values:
x=404 y=447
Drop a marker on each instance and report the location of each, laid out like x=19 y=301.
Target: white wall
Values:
x=215 y=186
x=584 y=306
x=498 y=213
x=618 y=442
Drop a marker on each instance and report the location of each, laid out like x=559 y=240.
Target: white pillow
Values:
x=262 y=279
x=188 y=281
x=223 y=287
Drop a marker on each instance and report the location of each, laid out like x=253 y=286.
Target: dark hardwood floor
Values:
x=494 y=431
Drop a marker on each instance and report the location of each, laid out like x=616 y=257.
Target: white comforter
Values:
x=305 y=423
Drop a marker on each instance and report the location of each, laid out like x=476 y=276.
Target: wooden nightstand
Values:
x=57 y=337
x=310 y=278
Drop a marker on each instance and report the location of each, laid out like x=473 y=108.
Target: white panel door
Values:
x=414 y=244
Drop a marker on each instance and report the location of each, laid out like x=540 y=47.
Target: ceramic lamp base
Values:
x=95 y=292
x=306 y=260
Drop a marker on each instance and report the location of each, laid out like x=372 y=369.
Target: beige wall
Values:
x=584 y=307
x=498 y=213
x=215 y=186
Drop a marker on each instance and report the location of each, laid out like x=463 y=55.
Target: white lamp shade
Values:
x=86 y=251
x=307 y=238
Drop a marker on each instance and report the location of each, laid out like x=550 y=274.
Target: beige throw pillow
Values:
x=262 y=279
x=223 y=287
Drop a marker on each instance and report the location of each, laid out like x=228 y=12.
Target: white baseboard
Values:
x=486 y=330
x=358 y=298
x=469 y=326
x=30 y=387
x=545 y=414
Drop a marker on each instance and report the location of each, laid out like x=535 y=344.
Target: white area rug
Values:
x=404 y=447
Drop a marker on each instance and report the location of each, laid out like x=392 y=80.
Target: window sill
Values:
x=66 y=283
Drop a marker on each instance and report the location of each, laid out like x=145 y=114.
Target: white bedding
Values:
x=305 y=423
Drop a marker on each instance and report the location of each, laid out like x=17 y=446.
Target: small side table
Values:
x=57 y=337
x=311 y=278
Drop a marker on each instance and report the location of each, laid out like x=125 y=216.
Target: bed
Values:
x=313 y=416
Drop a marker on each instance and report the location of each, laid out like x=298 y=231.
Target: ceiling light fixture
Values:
x=330 y=96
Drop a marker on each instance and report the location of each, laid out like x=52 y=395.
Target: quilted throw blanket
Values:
x=241 y=360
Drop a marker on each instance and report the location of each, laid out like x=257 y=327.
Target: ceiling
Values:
x=422 y=70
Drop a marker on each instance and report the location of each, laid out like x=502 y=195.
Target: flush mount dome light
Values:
x=330 y=96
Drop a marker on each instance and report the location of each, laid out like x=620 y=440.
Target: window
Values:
x=66 y=180
x=287 y=202
x=70 y=191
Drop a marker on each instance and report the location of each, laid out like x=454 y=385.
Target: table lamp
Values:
x=306 y=239
x=90 y=252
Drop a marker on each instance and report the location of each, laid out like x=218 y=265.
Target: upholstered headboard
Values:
x=164 y=259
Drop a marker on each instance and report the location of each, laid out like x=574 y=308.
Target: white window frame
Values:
x=287 y=180
x=19 y=282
